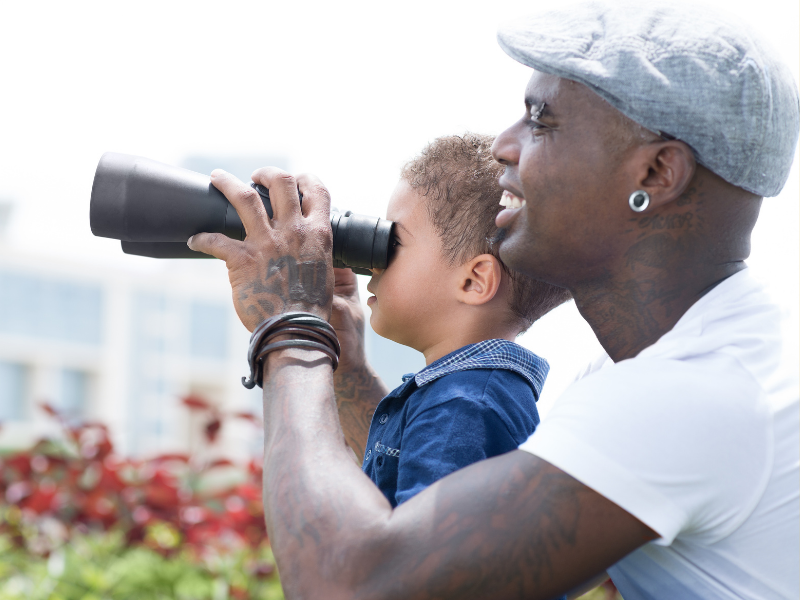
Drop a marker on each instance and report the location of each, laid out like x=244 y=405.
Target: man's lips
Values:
x=513 y=205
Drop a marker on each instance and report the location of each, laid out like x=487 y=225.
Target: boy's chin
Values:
x=381 y=329
x=375 y=323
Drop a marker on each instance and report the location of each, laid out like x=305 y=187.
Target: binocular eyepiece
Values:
x=154 y=208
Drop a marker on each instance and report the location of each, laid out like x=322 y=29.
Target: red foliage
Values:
x=196 y=403
x=212 y=429
x=46 y=407
x=87 y=486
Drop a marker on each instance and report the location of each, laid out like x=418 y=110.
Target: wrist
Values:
x=297 y=331
x=294 y=357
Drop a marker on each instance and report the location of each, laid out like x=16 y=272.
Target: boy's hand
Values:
x=347 y=318
x=284 y=263
x=358 y=388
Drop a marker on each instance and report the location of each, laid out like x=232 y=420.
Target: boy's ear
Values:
x=480 y=280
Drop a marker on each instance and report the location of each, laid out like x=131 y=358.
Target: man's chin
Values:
x=510 y=249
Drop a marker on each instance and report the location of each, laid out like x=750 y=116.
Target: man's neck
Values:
x=671 y=262
x=629 y=314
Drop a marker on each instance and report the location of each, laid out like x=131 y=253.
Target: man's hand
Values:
x=358 y=388
x=284 y=264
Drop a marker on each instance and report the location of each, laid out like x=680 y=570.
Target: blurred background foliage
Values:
x=79 y=521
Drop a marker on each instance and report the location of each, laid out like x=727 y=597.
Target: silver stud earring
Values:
x=639 y=200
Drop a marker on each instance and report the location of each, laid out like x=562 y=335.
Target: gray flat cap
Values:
x=679 y=69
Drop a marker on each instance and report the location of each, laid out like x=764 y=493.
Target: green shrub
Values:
x=101 y=566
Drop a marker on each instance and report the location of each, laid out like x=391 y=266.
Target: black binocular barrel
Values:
x=153 y=208
x=135 y=199
x=360 y=241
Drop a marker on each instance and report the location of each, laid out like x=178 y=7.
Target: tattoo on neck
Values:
x=682 y=221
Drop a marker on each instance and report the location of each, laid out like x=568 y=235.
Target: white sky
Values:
x=347 y=90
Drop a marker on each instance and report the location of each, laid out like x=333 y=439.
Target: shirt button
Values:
x=384 y=418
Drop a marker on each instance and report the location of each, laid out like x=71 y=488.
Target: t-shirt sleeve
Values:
x=685 y=448
x=446 y=437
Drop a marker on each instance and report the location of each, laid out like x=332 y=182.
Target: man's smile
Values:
x=513 y=204
x=510 y=200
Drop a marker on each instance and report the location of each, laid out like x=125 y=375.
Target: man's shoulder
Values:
x=729 y=345
x=692 y=386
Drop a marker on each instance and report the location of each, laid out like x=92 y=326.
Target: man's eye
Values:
x=537 y=129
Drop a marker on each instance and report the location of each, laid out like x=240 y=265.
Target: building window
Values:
x=13 y=384
x=208 y=330
x=50 y=308
x=74 y=393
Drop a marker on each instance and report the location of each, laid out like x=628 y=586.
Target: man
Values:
x=634 y=179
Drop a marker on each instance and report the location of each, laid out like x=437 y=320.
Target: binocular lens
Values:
x=153 y=208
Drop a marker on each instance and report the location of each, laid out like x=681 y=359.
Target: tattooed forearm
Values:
x=357 y=394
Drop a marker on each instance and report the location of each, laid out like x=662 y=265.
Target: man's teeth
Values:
x=509 y=200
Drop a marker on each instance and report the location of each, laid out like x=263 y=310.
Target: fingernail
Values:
x=189 y=241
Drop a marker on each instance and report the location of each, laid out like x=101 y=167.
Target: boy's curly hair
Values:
x=459 y=179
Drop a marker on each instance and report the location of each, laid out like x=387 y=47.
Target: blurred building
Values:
x=123 y=346
x=119 y=347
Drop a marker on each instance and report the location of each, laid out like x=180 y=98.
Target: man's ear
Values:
x=479 y=280
x=665 y=170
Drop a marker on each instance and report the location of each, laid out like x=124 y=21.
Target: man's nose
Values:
x=505 y=148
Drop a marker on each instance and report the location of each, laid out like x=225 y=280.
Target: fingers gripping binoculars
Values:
x=154 y=208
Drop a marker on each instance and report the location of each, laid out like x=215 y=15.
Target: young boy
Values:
x=447 y=294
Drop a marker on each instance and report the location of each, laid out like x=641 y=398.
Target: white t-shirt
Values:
x=699 y=438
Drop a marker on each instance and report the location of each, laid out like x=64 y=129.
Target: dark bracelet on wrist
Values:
x=307 y=330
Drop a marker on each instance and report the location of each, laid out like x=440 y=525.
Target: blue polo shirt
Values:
x=475 y=403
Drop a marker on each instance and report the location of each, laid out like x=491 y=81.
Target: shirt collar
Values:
x=488 y=354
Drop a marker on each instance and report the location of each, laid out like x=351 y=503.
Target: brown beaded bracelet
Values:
x=312 y=332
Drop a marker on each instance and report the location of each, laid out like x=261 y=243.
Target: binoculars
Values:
x=154 y=208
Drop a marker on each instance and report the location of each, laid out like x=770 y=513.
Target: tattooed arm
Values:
x=358 y=388
x=510 y=527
